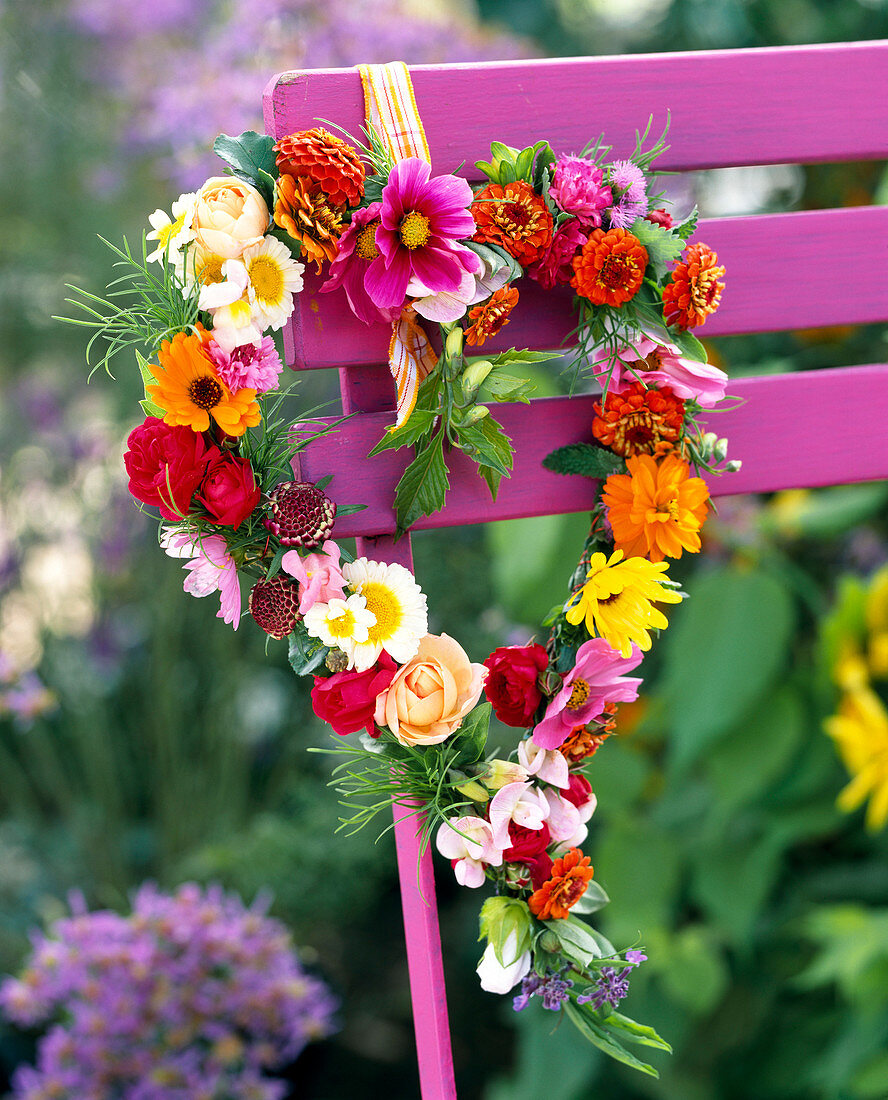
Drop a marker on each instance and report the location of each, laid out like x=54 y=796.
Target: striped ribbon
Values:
x=390 y=107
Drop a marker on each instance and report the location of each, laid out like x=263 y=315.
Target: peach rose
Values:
x=230 y=216
x=431 y=695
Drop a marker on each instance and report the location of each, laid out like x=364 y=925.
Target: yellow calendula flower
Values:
x=617 y=600
x=860 y=731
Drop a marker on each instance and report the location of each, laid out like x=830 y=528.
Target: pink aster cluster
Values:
x=192 y=995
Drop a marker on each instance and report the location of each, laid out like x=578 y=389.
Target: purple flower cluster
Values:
x=630 y=194
x=612 y=985
x=553 y=990
x=192 y=997
x=23 y=695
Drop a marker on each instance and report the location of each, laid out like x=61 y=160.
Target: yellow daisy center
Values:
x=342 y=626
x=210 y=271
x=365 y=245
x=579 y=693
x=267 y=279
x=384 y=604
x=205 y=392
x=415 y=230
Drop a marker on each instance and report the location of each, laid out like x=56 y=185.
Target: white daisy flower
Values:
x=235 y=320
x=196 y=263
x=274 y=278
x=399 y=606
x=344 y=624
x=172 y=234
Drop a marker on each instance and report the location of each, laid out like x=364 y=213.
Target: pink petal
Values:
x=387 y=286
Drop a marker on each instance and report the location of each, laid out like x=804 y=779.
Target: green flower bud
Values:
x=476 y=413
x=453 y=345
x=474 y=375
x=548 y=941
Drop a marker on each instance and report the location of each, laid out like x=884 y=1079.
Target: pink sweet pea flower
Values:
x=547 y=765
x=421 y=220
x=468 y=843
x=654 y=360
x=519 y=802
x=357 y=250
x=319 y=575
x=566 y=824
x=595 y=680
x=211 y=569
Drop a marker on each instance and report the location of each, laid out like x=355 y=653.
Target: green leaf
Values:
x=493 y=479
x=500 y=917
x=638 y=1033
x=685 y=229
x=305 y=653
x=349 y=509
x=689 y=344
x=578 y=941
x=584 y=459
x=595 y=898
x=515 y=355
x=148 y=379
x=524 y=164
x=493 y=447
x=249 y=153
x=664 y=246
x=599 y=1037
x=423 y=487
x=420 y=423
x=501 y=258
x=274 y=566
x=507 y=387
x=471 y=737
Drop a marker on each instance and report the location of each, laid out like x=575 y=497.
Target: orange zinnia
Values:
x=305 y=212
x=489 y=318
x=517 y=219
x=639 y=420
x=326 y=159
x=609 y=270
x=581 y=742
x=189 y=389
x=695 y=290
x=657 y=509
x=566 y=885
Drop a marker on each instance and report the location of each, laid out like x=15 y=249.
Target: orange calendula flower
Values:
x=326 y=159
x=570 y=877
x=489 y=318
x=657 y=509
x=696 y=288
x=190 y=391
x=302 y=208
x=639 y=421
x=516 y=218
x=609 y=270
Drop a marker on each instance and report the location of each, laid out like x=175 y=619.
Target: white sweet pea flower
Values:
x=548 y=765
x=518 y=802
x=497 y=977
x=469 y=840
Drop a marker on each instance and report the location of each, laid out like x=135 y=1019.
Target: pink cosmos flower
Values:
x=655 y=360
x=357 y=250
x=258 y=368
x=578 y=188
x=468 y=843
x=547 y=765
x=211 y=569
x=421 y=220
x=519 y=802
x=319 y=575
x=447 y=306
x=554 y=267
x=595 y=680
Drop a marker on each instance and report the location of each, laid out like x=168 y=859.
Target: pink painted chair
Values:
x=786 y=271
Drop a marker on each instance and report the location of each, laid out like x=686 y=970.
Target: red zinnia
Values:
x=639 y=421
x=517 y=219
x=568 y=882
x=610 y=268
x=695 y=290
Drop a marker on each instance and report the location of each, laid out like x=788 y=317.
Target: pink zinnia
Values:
x=595 y=680
x=658 y=362
x=578 y=188
x=357 y=250
x=554 y=268
x=421 y=220
x=320 y=578
x=258 y=368
x=212 y=569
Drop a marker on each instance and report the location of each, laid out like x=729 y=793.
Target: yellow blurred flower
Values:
x=860 y=731
x=617 y=600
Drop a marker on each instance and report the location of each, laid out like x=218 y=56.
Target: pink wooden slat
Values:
x=784 y=271
x=811 y=428
x=729 y=107
x=366 y=393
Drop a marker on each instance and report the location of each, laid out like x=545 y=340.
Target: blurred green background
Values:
x=140 y=738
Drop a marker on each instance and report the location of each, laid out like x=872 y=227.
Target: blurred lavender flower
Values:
x=190 y=70
x=192 y=997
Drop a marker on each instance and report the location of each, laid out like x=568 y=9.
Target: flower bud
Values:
x=720 y=451
x=548 y=941
x=517 y=875
x=501 y=772
x=549 y=682
x=474 y=375
x=453 y=345
x=336 y=660
x=510 y=154
x=733 y=466
x=476 y=413
x=471 y=788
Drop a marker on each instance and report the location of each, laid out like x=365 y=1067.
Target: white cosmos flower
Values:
x=274 y=277
x=341 y=623
x=399 y=607
x=172 y=234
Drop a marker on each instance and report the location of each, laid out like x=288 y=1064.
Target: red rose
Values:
x=579 y=792
x=512 y=683
x=229 y=491
x=526 y=842
x=166 y=464
x=347 y=700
